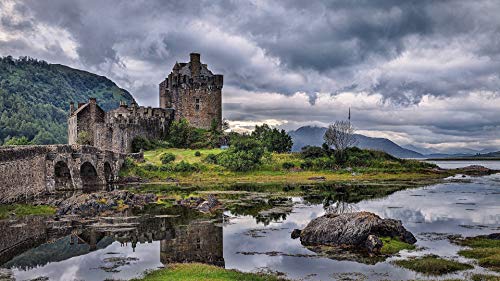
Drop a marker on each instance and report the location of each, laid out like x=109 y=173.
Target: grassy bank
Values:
x=433 y=265
x=197 y=271
x=485 y=251
x=20 y=210
x=192 y=167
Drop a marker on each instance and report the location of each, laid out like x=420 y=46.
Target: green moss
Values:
x=21 y=210
x=196 y=271
x=433 y=265
x=394 y=245
x=486 y=251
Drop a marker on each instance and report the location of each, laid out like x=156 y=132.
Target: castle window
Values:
x=197 y=104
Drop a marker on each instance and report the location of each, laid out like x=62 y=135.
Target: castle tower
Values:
x=194 y=92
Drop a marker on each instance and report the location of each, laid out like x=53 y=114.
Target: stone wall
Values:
x=30 y=171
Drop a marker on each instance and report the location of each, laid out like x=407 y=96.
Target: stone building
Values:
x=116 y=129
x=194 y=92
x=190 y=92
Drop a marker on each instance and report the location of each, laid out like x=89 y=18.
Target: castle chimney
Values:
x=92 y=100
x=195 y=64
x=71 y=108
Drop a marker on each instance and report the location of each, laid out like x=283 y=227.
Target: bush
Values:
x=128 y=163
x=324 y=163
x=140 y=143
x=167 y=158
x=184 y=167
x=312 y=152
x=197 y=154
x=210 y=159
x=288 y=165
x=244 y=154
x=306 y=165
x=150 y=167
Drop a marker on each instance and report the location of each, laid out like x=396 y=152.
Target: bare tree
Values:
x=340 y=135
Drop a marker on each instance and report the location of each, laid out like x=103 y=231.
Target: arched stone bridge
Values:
x=27 y=171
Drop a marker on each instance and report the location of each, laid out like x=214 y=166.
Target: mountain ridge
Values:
x=313 y=135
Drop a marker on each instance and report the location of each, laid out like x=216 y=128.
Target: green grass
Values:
x=485 y=277
x=197 y=271
x=271 y=170
x=432 y=265
x=485 y=251
x=21 y=210
x=393 y=245
x=153 y=156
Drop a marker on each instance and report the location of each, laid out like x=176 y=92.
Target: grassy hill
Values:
x=35 y=97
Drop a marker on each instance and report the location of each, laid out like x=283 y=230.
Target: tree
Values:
x=340 y=135
x=18 y=141
x=244 y=154
x=274 y=140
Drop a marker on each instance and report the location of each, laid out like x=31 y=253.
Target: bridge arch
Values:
x=88 y=176
x=62 y=176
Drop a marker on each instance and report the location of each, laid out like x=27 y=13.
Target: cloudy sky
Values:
x=419 y=72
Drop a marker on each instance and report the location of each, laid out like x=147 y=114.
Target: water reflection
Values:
x=256 y=236
x=119 y=248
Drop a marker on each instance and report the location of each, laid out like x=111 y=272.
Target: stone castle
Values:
x=191 y=91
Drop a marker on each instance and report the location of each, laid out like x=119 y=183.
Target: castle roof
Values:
x=186 y=70
x=83 y=107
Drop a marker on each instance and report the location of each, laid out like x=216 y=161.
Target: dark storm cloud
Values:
x=401 y=51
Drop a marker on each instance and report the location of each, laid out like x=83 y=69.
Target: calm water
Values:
x=492 y=164
x=467 y=207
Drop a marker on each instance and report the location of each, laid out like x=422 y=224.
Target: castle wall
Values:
x=118 y=134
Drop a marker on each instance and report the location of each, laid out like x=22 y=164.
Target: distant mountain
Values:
x=308 y=135
x=35 y=97
x=421 y=150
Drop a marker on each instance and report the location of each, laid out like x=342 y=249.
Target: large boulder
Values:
x=359 y=230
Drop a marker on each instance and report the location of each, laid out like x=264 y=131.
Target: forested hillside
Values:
x=35 y=97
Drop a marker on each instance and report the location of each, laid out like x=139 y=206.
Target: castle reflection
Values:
x=181 y=241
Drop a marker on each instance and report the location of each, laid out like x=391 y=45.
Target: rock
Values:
x=476 y=170
x=494 y=236
x=296 y=233
x=373 y=244
x=353 y=230
x=96 y=203
x=209 y=205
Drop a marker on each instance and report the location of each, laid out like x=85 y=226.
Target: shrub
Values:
x=197 y=154
x=307 y=164
x=150 y=167
x=244 y=154
x=167 y=158
x=128 y=163
x=288 y=165
x=312 y=152
x=184 y=167
x=210 y=159
x=140 y=143
x=324 y=163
